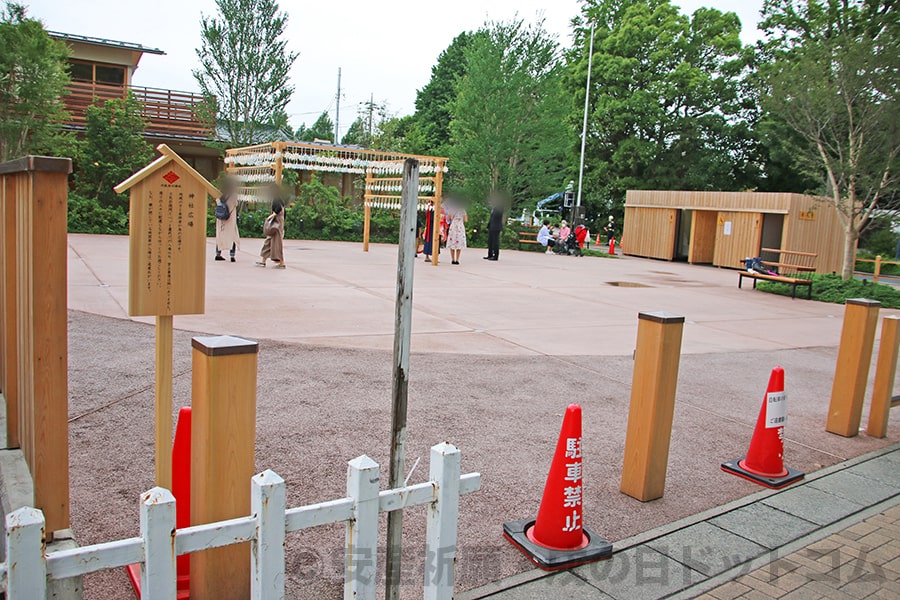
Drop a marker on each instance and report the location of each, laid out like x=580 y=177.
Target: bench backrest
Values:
x=791 y=259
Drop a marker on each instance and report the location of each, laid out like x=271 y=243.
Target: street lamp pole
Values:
x=587 y=98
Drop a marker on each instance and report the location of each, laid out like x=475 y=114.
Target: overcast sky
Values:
x=383 y=48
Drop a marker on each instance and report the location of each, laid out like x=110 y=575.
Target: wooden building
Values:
x=724 y=228
x=102 y=69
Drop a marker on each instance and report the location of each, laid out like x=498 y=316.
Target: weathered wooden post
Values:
x=852 y=371
x=167 y=268
x=655 y=379
x=877 y=272
x=223 y=419
x=400 y=386
x=35 y=193
x=885 y=370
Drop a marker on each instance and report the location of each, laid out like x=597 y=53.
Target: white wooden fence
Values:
x=27 y=568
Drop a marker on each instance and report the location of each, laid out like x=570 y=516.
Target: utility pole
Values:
x=587 y=99
x=337 y=111
x=371 y=112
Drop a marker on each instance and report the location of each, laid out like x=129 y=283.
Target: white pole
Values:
x=587 y=98
x=361 y=551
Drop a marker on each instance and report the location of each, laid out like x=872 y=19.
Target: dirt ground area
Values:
x=320 y=406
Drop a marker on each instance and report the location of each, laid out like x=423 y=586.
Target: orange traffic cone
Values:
x=558 y=539
x=764 y=463
x=181 y=489
x=612 y=246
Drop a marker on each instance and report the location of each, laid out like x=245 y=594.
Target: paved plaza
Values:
x=499 y=350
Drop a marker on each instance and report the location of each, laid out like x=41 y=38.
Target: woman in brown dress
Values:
x=273 y=247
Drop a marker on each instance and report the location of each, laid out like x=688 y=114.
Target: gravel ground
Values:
x=318 y=407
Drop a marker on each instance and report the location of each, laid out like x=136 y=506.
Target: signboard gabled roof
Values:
x=168 y=155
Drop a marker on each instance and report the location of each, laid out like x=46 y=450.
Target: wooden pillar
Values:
x=222 y=444
x=41 y=356
x=8 y=336
x=367 y=204
x=652 y=407
x=852 y=371
x=885 y=370
x=279 y=161
x=438 y=198
x=163 y=402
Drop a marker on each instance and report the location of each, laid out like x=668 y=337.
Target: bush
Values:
x=833 y=289
x=86 y=215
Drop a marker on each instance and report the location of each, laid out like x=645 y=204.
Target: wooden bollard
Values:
x=655 y=378
x=885 y=370
x=222 y=443
x=852 y=371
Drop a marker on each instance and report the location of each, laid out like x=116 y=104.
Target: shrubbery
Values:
x=831 y=288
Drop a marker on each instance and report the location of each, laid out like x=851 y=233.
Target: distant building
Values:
x=102 y=69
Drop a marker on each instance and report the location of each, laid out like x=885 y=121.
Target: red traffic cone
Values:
x=181 y=489
x=612 y=246
x=764 y=463
x=558 y=539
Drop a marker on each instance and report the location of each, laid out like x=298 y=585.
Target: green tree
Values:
x=508 y=128
x=322 y=129
x=244 y=67
x=833 y=78
x=33 y=79
x=669 y=102
x=113 y=149
x=433 y=101
x=356 y=134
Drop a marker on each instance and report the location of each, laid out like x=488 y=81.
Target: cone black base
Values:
x=775 y=483
x=553 y=560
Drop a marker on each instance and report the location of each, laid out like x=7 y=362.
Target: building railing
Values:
x=166 y=111
x=155 y=549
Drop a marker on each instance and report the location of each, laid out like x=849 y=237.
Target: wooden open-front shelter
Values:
x=724 y=228
x=255 y=166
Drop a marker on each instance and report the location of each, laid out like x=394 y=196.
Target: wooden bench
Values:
x=528 y=237
x=794 y=268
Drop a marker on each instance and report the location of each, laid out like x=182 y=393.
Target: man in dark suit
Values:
x=495 y=226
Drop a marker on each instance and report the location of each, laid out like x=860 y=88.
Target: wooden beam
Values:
x=885 y=370
x=852 y=371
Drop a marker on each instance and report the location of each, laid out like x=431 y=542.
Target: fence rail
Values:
x=265 y=528
x=876 y=271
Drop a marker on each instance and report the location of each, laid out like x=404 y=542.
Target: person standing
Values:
x=273 y=247
x=495 y=227
x=456 y=232
x=227 y=236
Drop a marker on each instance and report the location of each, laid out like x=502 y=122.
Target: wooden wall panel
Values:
x=703 y=237
x=649 y=232
x=728 y=201
x=813 y=225
x=743 y=240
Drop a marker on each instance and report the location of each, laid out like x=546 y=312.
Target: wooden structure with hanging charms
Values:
x=254 y=166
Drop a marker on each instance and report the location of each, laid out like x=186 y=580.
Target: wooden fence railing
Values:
x=166 y=111
x=876 y=271
x=265 y=528
x=33 y=321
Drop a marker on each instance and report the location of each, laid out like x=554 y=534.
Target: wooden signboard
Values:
x=167 y=268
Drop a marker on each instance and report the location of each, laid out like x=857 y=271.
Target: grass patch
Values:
x=833 y=289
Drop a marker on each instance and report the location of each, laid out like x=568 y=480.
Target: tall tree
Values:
x=244 y=67
x=33 y=80
x=113 y=149
x=433 y=102
x=833 y=78
x=322 y=129
x=508 y=129
x=356 y=133
x=669 y=106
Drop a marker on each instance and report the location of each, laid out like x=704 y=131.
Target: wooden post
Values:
x=268 y=504
x=41 y=320
x=652 y=407
x=8 y=300
x=26 y=576
x=361 y=545
x=163 y=406
x=400 y=386
x=222 y=443
x=438 y=198
x=441 y=527
x=877 y=272
x=852 y=371
x=279 y=161
x=885 y=370
x=367 y=203
x=158 y=531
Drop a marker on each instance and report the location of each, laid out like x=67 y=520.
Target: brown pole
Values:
x=852 y=371
x=163 y=405
x=8 y=339
x=223 y=436
x=438 y=198
x=367 y=204
x=652 y=406
x=885 y=370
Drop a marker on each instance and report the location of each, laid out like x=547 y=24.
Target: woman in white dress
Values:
x=456 y=236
